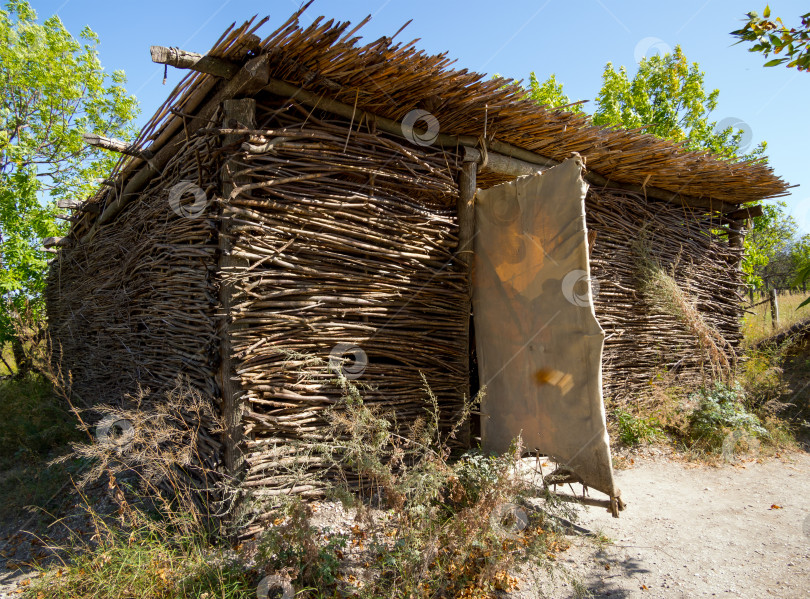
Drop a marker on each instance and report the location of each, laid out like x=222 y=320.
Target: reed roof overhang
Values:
x=389 y=79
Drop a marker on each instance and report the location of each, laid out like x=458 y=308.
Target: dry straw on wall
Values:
x=646 y=250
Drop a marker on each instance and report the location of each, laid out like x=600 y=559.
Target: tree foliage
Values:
x=52 y=89
x=668 y=97
x=773 y=37
x=774 y=249
x=549 y=93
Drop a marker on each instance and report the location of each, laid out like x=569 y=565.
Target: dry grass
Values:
x=437 y=532
x=757 y=325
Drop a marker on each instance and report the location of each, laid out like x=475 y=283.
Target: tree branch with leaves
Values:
x=773 y=37
x=52 y=89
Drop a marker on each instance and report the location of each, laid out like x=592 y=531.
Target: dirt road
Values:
x=733 y=531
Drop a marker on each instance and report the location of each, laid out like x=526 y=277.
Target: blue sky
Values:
x=573 y=40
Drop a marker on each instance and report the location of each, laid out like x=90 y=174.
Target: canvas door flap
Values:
x=538 y=342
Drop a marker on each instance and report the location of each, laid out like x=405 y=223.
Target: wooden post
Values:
x=774 y=310
x=464 y=252
x=237 y=114
x=736 y=241
x=736 y=237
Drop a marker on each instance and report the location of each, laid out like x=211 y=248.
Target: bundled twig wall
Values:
x=137 y=306
x=347 y=240
x=643 y=338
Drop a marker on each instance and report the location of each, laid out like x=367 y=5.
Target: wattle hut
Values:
x=302 y=194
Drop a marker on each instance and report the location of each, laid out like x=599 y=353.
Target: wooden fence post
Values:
x=774 y=310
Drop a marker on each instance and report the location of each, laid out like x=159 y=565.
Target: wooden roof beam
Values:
x=745 y=213
x=181 y=59
x=51 y=242
x=500 y=164
x=499 y=153
x=115 y=145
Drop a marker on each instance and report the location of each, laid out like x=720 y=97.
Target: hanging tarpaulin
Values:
x=538 y=342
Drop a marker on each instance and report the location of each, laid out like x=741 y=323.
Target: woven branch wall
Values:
x=137 y=305
x=342 y=239
x=642 y=340
x=345 y=239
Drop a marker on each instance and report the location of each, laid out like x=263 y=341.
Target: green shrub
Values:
x=475 y=472
x=720 y=410
x=34 y=420
x=634 y=430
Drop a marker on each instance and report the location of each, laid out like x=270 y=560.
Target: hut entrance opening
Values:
x=538 y=343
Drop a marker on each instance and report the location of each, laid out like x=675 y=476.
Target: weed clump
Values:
x=721 y=410
x=637 y=430
x=430 y=523
x=294 y=548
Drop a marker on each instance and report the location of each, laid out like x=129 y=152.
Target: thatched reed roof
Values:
x=390 y=79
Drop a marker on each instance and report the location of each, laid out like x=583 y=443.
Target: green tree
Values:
x=773 y=249
x=549 y=93
x=667 y=96
x=52 y=89
x=774 y=37
x=794 y=45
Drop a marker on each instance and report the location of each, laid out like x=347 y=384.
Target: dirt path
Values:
x=700 y=532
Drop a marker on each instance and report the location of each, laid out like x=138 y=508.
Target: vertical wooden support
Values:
x=736 y=240
x=464 y=253
x=774 y=310
x=237 y=114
